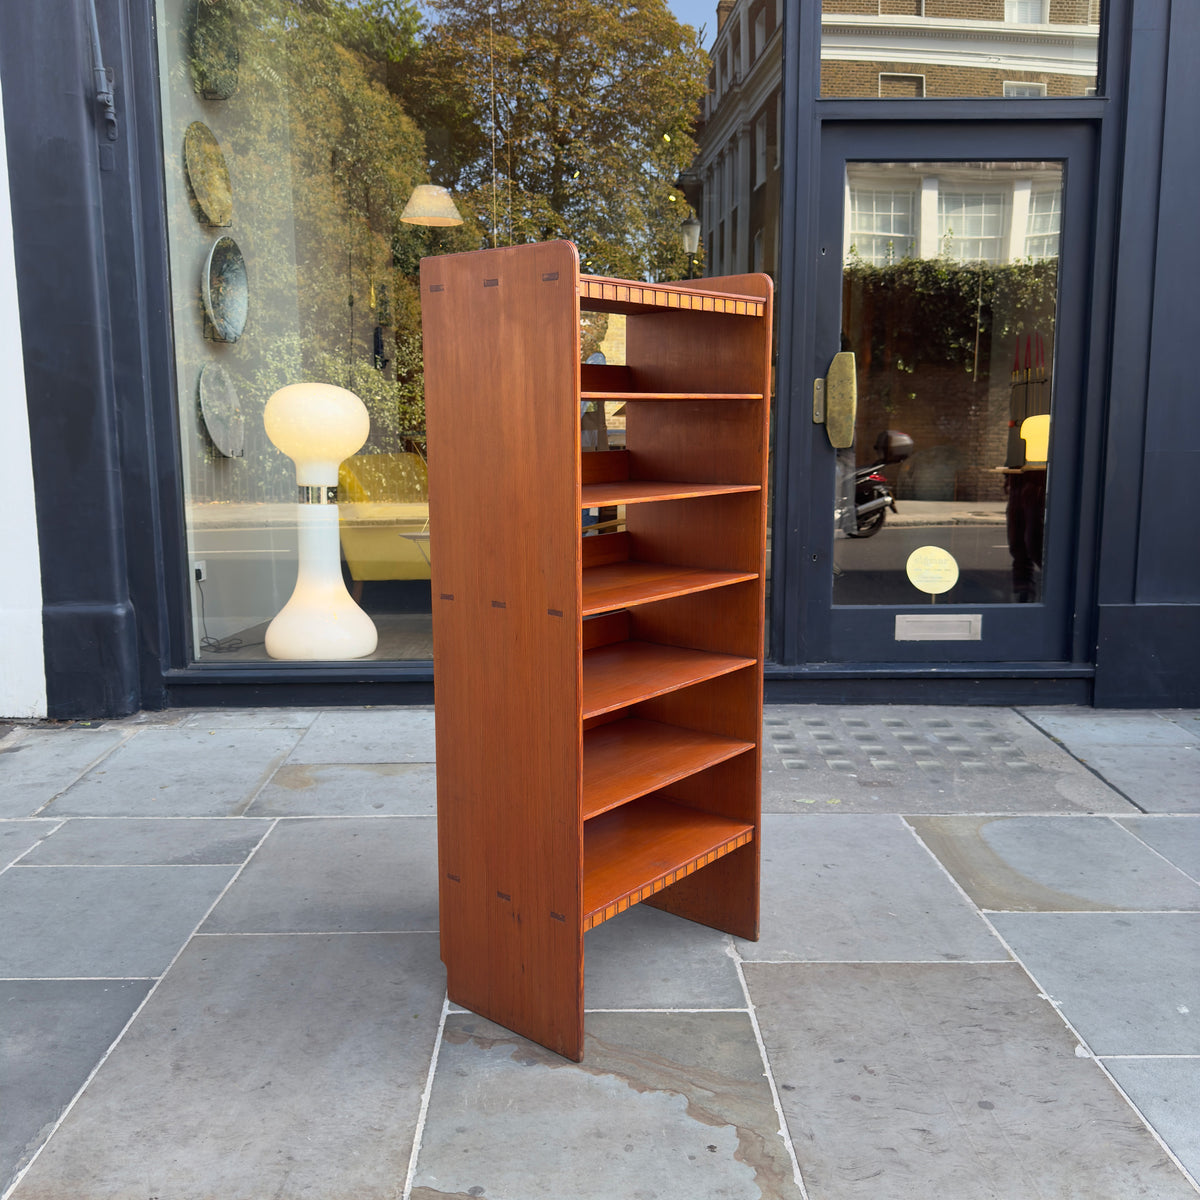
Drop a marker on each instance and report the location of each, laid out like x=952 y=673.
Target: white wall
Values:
x=22 y=666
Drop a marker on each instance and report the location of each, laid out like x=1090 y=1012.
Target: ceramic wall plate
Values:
x=225 y=290
x=215 y=53
x=222 y=411
x=208 y=174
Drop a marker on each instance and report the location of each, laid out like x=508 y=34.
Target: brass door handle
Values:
x=835 y=400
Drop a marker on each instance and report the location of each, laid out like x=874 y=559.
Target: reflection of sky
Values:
x=697 y=13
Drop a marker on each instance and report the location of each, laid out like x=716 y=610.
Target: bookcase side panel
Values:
x=501 y=378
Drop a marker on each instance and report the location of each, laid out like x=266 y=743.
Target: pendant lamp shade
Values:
x=430 y=205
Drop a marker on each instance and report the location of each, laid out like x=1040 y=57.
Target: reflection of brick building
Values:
x=738 y=162
x=915 y=48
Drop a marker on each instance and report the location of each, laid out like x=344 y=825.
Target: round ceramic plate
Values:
x=208 y=174
x=215 y=53
x=222 y=411
x=225 y=290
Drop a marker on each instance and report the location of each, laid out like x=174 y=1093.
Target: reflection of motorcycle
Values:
x=872 y=491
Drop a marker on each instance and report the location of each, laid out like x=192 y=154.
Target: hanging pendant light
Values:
x=430 y=205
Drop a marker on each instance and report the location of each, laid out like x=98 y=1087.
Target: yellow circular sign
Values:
x=932 y=569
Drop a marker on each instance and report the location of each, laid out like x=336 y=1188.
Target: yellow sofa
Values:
x=383 y=512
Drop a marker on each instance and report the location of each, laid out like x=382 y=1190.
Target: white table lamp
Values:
x=318 y=425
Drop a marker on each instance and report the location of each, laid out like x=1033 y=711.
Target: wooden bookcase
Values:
x=599 y=697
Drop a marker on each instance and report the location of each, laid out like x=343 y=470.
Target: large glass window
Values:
x=928 y=48
x=302 y=141
x=953 y=346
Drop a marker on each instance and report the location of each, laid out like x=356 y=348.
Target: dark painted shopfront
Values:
x=1009 y=255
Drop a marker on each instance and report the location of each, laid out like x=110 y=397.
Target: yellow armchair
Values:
x=383 y=511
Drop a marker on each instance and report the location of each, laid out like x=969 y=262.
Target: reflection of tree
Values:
x=931 y=310
x=591 y=105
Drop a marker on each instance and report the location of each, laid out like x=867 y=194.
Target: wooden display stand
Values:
x=598 y=698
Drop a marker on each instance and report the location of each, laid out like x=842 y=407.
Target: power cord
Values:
x=218 y=645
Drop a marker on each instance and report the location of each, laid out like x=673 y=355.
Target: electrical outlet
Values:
x=200 y=570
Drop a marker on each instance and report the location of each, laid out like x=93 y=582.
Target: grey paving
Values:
x=38 y=763
x=331 y=875
x=1152 y=758
x=915 y=1081
x=176 y=772
x=18 y=837
x=368 y=736
x=1053 y=864
x=102 y=841
x=100 y=922
x=1177 y=839
x=52 y=1035
x=1167 y=1091
x=859 y=887
x=250 y=718
x=672 y=1106
x=645 y=958
x=286 y=1042
x=1128 y=982
x=261 y=1067
x=877 y=758
x=348 y=789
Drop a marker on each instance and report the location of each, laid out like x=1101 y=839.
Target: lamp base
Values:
x=321 y=625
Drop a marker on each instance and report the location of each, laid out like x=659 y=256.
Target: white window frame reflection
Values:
x=973 y=224
x=883 y=224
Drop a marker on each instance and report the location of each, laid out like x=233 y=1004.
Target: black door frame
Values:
x=1038 y=633
x=797 y=670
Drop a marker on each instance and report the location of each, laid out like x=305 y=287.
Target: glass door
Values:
x=949 y=382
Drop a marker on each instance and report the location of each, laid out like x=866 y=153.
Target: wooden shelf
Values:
x=628 y=584
x=624 y=673
x=640 y=491
x=625 y=397
x=599 y=294
x=639 y=849
x=627 y=759
x=591 y=757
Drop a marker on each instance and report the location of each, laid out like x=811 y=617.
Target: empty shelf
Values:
x=627 y=584
x=641 y=848
x=639 y=491
x=631 y=758
x=623 y=673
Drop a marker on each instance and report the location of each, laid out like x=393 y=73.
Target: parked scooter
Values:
x=872 y=491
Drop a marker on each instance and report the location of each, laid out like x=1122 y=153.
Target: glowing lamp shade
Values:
x=430 y=205
x=318 y=425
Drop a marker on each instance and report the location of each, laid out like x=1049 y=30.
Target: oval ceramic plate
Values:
x=225 y=290
x=222 y=411
x=215 y=54
x=208 y=174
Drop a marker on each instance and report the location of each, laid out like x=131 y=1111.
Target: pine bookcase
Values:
x=598 y=698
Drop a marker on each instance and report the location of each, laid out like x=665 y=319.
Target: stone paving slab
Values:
x=52 y=1035
x=886 y=758
x=1177 y=839
x=949 y=1080
x=1167 y=1092
x=36 y=764
x=394 y=735
x=860 y=887
x=1158 y=779
x=1128 y=982
x=176 y=772
x=348 y=789
x=672 y=1106
x=134 y=841
x=250 y=718
x=262 y=1067
x=1078 y=727
x=100 y=922
x=646 y=958
x=334 y=875
x=19 y=837
x=1054 y=864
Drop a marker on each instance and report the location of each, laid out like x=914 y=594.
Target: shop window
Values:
x=295 y=136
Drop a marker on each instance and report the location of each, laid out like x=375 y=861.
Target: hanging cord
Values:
x=218 y=645
x=492 y=85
